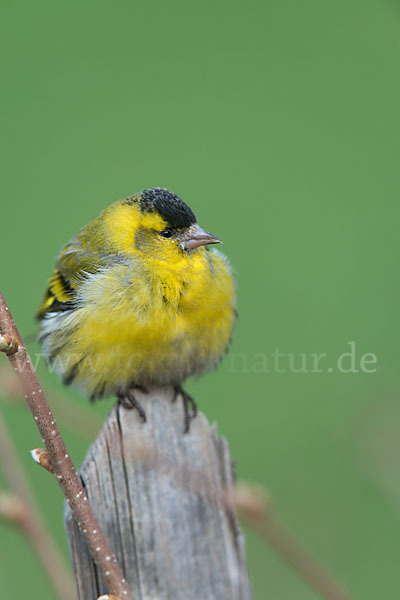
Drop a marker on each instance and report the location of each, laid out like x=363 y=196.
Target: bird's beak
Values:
x=195 y=236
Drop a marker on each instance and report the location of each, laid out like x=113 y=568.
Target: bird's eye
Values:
x=167 y=233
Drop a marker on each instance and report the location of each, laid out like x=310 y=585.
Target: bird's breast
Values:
x=143 y=326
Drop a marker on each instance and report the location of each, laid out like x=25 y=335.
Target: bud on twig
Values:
x=8 y=344
x=40 y=456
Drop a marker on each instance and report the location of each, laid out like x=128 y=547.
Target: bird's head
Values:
x=159 y=224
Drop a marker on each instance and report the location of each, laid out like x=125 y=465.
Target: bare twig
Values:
x=21 y=509
x=254 y=507
x=12 y=509
x=63 y=467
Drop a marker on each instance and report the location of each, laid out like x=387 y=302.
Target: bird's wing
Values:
x=73 y=265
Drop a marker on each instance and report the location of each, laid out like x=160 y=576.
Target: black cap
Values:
x=176 y=213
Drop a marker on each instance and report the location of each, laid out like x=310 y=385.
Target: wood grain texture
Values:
x=162 y=500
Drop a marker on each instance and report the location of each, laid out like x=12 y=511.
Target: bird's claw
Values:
x=188 y=402
x=129 y=401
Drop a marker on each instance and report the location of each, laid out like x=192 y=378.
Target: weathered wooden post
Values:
x=163 y=499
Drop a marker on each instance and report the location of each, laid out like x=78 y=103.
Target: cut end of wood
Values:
x=160 y=498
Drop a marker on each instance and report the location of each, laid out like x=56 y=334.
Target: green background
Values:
x=278 y=122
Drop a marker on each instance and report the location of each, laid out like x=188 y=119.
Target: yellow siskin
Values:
x=137 y=300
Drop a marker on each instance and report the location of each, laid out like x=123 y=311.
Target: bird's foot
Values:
x=128 y=400
x=188 y=403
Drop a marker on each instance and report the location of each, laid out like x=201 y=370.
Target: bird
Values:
x=138 y=299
